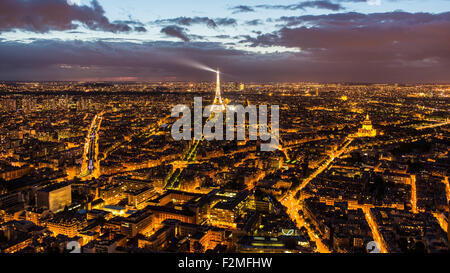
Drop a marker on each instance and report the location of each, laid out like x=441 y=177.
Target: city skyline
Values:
x=313 y=126
x=98 y=167
x=252 y=41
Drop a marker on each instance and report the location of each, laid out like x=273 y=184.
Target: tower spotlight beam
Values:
x=195 y=64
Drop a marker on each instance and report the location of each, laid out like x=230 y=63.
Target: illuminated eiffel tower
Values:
x=218 y=103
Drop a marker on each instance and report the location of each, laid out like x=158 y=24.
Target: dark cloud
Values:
x=130 y=22
x=140 y=29
x=254 y=22
x=333 y=5
x=189 y=21
x=354 y=19
x=226 y=21
x=137 y=26
x=319 y=4
x=77 y=60
x=45 y=15
x=397 y=42
x=176 y=31
x=54 y=59
x=223 y=36
x=241 y=9
x=378 y=47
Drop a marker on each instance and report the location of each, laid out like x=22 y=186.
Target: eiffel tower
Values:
x=218 y=103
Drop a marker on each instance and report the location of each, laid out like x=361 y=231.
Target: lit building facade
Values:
x=54 y=197
x=367 y=129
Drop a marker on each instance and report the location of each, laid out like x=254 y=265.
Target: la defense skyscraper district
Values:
x=89 y=162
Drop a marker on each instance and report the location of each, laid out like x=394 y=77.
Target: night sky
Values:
x=405 y=41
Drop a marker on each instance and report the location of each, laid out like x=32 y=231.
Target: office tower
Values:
x=54 y=197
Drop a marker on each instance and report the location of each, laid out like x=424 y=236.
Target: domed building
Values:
x=367 y=129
